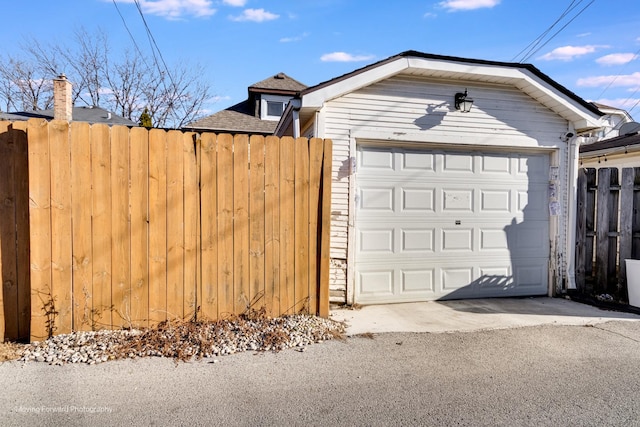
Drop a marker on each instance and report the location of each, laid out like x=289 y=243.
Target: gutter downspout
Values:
x=295 y=116
x=574 y=154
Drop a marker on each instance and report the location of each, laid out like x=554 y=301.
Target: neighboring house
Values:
x=431 y=202
x=612 y=121
x=620 y=152
x=63 y=109
x=258 y=114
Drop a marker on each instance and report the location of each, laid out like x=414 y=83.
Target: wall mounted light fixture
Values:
x=463 y=102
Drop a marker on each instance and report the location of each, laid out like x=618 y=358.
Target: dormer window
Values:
x=272 y=106
x=275 y=108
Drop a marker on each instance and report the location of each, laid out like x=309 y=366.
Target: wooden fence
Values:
x=608 y=229
x=131 y=227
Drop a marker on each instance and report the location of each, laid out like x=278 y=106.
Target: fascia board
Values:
x=317 y=98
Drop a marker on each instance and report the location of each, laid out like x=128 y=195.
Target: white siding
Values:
x=410 y=109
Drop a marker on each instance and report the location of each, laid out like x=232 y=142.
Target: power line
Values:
x=535 y=42
x=557 y=32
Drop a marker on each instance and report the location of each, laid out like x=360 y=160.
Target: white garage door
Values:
x=433 y=224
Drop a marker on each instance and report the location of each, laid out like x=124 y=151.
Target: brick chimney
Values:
x=62 y=107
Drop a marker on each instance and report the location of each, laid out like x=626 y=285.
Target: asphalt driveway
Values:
x=536 y=375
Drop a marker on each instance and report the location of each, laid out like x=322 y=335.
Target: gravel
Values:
x=185 y=340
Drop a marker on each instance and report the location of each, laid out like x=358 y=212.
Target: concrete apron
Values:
x=472 y=315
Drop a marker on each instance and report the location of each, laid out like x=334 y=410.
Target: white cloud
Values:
x=568 y=53
x=617 y=81
x=344 y=57
x=294 y=39
x=255 y=15
x=235 y=3
x=623 y=103
x=617 y=58
x=429 y=15
x=455 y=5
x=176 y=9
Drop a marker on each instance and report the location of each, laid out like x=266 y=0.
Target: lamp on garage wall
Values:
x=462 y=102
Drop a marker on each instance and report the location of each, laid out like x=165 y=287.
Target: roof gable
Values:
x=525 y=77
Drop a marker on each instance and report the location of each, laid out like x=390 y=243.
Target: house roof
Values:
x=80 y=114
x=619 y=144
x=237 y=118
x=526 y=77
x=241 y=117
x=278 y=83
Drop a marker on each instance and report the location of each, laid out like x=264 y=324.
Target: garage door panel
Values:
x=375 y=284
x=378 y=241
x=440 y=225
x=377 y=199
x=418 y=281
x=457 y=239
x=418 y=240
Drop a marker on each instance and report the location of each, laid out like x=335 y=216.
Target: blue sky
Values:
x=593 y=50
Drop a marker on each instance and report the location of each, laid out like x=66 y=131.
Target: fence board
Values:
x=175 y=225
x=315 y=176
x=626 y=220
x=9 y=307
x=157 y=226
x=301 y=225
x=209 y=227
x=61 y=284
x=101 y=232
x=602 y=230
x=81 y=225
x=191 y=221
x=40 y=229
x=257 y=220
x=19 y=137
x=121 y=242
x=139 y=164
x=272 y=226
x=287 y=226
x=581 y=230
x=241 y=282
x=225 y=225
x=324 y=238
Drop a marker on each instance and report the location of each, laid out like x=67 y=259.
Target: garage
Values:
x=445 y=224
x=451 y=177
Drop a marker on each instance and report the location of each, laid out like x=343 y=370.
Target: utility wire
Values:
x=539 y=39
x=153 y=43
x=133 y=39
x=557 y=32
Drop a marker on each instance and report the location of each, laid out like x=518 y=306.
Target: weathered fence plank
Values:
x=241 y=283
x=225 y=225
x=287 y=212
x=257 y=218
x=139 y=164
x=157 y=226
x=175 y=225
x=272 y=226
x=9 y=306
x=191 y=225
x=301 y=225
x=121 y=241
x=42 y=312
x=209 y=227
x=81 y=226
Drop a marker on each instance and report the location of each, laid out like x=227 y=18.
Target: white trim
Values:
x=571 y=220
x=522 y=78
x=351 y=223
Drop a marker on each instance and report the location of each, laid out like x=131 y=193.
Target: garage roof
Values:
x=526 y=77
